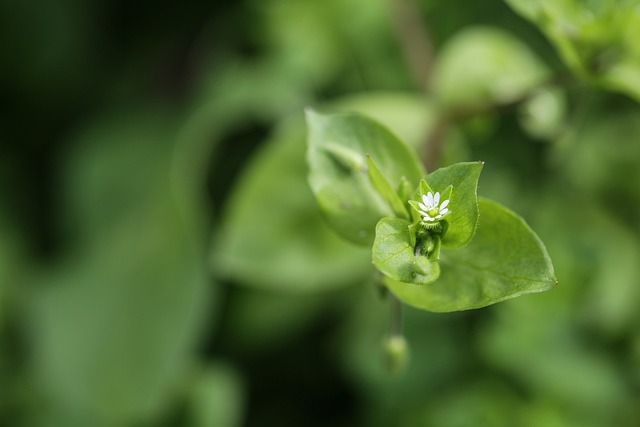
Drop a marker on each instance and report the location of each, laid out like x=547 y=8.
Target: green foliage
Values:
x=162 y=254
x=259 y=253
x=503 y=70
x=274 y=237
x=112 y=338
x=337 y=156
x=215 y=397
x=599 y=41
x=505 y=260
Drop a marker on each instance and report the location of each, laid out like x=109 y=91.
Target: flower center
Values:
x=433 y=212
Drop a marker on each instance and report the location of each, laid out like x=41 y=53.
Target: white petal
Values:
x=436 y=199
x=428 y=199
x=444 y=211
x=423 y=213
x=444 y=204
x=423 y=207
x=438 y=216
x=427 y=218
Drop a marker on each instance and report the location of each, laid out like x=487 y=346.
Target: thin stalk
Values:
x=395 y=323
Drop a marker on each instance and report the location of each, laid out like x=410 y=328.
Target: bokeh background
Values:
x=162 y=260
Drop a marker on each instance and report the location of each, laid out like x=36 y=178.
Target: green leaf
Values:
x=114 y=323
x=504 y=260
x=503 y=70
x=543 y=114
x=463 y=203
x=409 y=116
x=216 y=397
x=385 y=189
x=272 y=235
x=395 y=256
x=598 y=40
x=344 y=192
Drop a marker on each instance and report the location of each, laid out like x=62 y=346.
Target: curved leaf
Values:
x=394 y=255
x=337 y=148
x=481 y=65
x=272 y=235
x=504 y=260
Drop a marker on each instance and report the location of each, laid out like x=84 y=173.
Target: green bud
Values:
x=396 y=352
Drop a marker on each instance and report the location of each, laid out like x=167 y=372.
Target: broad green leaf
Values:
x=113 y=324
x=395 y=256
x=408 y=115
x=272 y=235
x=385 y=189
x=504 y=260
x=344 y=192
x=482 y=65
x=463 y=203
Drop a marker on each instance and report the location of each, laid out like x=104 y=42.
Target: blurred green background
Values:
x=162 y=260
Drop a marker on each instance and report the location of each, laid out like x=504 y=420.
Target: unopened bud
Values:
x=396 y=351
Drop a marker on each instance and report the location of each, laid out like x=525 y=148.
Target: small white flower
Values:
x=431 y=209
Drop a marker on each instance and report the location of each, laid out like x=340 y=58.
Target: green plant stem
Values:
x=395 y=323
x=414 y=40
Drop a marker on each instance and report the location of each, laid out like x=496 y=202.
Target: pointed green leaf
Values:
x=394 y=255
x=504 y=260
x=344 y=192
x=385 y=189
x=463 y=203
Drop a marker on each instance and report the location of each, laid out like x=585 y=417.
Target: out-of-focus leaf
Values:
x=475 y=403
x=303 y=38
x=291 y=247
x=216 y=398
x=259 y=321
x=482 y=65
x=601 y=159
x=599 y=41
x=543 y=114
x=8 y=262
x=272 y=234
x=337 y=148
x=597 y=261
x=113 y=327
x=409 y=116
x=504 y=260
x=536 y=342
x=610 y=302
